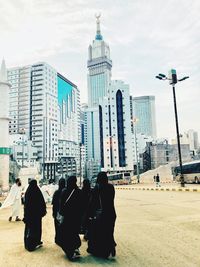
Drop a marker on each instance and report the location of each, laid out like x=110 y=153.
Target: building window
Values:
x=101 y=136
x=120 y=129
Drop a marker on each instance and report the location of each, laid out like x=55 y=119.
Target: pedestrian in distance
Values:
x=52 y=187
x=70 y=209
x=86 y=194
x=158 y=180
x=45 y=192
x=102 y=217
x=154 y=178
x=14 y=200
x=34 y=210
x=55 y=208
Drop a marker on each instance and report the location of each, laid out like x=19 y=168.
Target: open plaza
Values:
x=153 y=228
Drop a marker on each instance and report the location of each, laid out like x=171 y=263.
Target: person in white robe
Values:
x=51 y=189
x=45 y=192
x=14 y=200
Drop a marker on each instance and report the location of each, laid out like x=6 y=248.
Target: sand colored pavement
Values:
x=153 y=228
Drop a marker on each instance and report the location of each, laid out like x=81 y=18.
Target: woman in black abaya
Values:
x=86 y=195
x=70 y=208
x=34 y=210
x=101 y=241
x=56 y=207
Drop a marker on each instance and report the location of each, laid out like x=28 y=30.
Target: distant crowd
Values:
x=75 y=211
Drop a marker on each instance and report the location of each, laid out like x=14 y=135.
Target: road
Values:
x=154 y=229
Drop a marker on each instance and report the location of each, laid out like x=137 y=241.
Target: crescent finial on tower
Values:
x=98 y=34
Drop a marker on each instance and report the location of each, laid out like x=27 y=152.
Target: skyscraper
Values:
x=46 y=106
x=99 y=68
x=144 y=111
x=108 y=136
x=116 y=139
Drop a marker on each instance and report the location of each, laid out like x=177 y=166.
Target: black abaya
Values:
x=72 y=220
x=56 y=206
x=101 y=241
x=34 y=210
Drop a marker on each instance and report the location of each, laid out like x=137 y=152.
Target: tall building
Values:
x=46 y=105
x=108 y=133
x=116 y=139
x=92 y=134
x=99 y=68
x=20 y=99
x=144 y=111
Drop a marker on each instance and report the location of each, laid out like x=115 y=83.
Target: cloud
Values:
x=145 y=38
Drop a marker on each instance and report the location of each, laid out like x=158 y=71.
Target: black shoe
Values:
x=71 y=256
x=77 y=252
x=10 y=219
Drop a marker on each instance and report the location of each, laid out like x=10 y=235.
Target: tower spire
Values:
x=3 y=72
x=98 y=34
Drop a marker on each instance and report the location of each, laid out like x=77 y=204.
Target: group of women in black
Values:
x=86 y=211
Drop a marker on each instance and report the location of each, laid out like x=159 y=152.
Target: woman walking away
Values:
x=70 y=208
x=86 y=194
x=102 y=214
x=34 y=210
x=56 y=206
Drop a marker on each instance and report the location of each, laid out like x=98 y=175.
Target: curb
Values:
x=160 y=189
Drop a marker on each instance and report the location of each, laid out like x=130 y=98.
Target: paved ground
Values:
x=154 y=228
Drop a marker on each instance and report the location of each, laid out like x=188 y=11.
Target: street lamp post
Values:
x=172 y=81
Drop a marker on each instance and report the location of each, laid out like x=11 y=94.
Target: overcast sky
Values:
x=146 y=37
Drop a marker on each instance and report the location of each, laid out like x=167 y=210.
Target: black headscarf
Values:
x=86 y=186
x=61 y=184
x=34 y=205
x=71 y=183
x=102 y=178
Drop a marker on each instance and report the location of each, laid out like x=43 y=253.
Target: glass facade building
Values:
x=144 y=111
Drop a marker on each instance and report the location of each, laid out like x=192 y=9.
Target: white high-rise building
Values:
x=116 y=138
x=46 y=106
x=144 y=112
x=20 y=99
x=99 y=68
x=92 y=134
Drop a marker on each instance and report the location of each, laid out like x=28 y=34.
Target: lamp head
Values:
x=184 y=78
x=159 y=77
x=162 y=75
